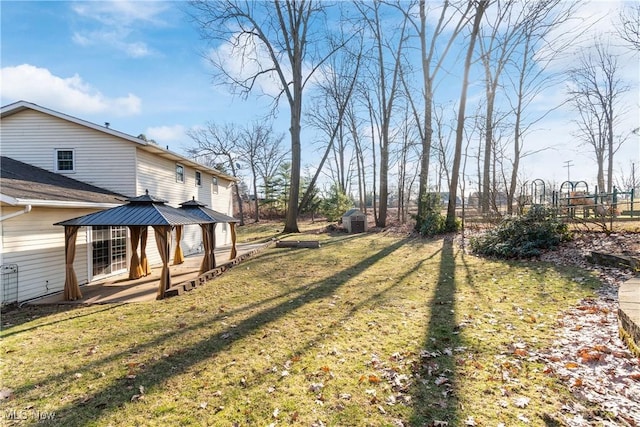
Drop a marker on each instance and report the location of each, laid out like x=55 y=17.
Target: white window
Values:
x=198 y=179
x=214 y=186
x=179 y=173
x=65 y=160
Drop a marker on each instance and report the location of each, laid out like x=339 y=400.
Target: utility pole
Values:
x=568 y=164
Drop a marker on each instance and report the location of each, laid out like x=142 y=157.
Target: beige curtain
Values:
x=233 y=240
x=163 y=241
x=135 y=269
x=144 y=261
x=178 y=256
x=71 y=287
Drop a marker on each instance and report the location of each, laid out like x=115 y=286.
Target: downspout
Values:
x=26 y=210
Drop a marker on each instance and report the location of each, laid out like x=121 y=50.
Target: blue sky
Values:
x=138 y=65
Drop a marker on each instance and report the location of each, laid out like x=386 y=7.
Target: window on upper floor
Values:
x=179 y=173
x=214 y=185
x=64 y=160
x=198 y=179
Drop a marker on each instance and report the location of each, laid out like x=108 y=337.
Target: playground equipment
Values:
x=575 y=195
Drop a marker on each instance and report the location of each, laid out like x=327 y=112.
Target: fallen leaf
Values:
x=571 y=365
x=373 y=379
x=520 y=352
x=522 y=402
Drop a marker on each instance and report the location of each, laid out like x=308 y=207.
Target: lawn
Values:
x=370 y=329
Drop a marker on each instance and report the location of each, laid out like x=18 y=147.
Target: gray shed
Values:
x=354 y=221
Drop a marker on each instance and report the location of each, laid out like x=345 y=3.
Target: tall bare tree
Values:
x=480 y=7
x=328 y=110
x=595 y=92
x=385 y=69
x=451 y=20
x=529 y=75
x=499 y=38
x=272 y=39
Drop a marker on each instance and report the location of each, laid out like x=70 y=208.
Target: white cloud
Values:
x=71 y=94
x=118 y=22
x=165 y=134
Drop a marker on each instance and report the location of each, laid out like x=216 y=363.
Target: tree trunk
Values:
x=453 y=187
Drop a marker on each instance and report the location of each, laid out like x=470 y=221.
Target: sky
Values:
x=139 y=65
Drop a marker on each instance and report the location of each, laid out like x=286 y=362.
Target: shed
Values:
x=354 y=221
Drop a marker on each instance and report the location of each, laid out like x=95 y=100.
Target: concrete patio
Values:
x=119 y=289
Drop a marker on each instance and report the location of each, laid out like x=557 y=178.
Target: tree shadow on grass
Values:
x=435 y=390
x=155 y=373
x=13 y=318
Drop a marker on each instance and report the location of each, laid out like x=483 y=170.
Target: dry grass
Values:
x=367 y=330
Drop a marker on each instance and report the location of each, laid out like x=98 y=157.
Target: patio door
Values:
x=109 y=250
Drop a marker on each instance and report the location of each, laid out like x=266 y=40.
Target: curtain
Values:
x=206 y=243
x=71 y=287
x=178 y=256
x=233 y=240
x=163 y=241
x=144 y=261
x=135 y=269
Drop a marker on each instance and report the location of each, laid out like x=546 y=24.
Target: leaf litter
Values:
x=588 y=356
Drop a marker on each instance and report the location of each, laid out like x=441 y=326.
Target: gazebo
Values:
x=138 y=214
x=198 y=209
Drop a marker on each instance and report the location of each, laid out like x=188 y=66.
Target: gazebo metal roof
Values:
x=199 y=209
x=139 y=211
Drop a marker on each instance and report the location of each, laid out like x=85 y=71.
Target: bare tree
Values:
x=595 y=92
x=387 y=44
x=629 y=24
x=328 y=111
x=260 y=148
x=451 y=21
x=273 y=39
x=480 y=6
x=218 y=143
x=496 y=47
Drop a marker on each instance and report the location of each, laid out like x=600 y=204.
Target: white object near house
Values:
x=75 y=168
x=354 y=221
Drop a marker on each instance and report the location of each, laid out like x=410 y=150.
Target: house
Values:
x=74 y=168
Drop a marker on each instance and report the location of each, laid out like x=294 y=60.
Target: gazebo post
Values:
x=212 y=227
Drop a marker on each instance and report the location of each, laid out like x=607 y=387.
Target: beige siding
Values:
x=158 y=175
x=100 y=159
x=37 y=246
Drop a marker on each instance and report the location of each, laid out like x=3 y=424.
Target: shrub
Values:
x=433 y=222
x=522 y=237
x=335 y=204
